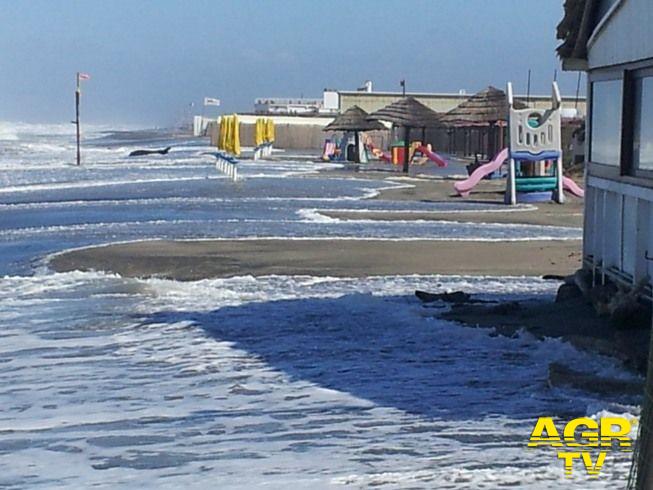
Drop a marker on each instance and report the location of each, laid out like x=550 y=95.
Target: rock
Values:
x=506 y=308
x=567 y=292
x=601 y=295
x=560 y=375
x=629 y=314
x=457 y=297
x=583 y=279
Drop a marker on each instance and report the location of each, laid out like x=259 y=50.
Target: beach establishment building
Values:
x=612 y=41
x=444 y=102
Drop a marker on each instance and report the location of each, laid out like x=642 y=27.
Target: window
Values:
x=606 y=122
x=643 y=124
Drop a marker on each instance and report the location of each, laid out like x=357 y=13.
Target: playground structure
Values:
x=263 y=138
x=534 y=156
x=416 y=147
x=351 y=123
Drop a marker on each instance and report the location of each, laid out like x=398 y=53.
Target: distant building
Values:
x=613 y=41
x=290 y=106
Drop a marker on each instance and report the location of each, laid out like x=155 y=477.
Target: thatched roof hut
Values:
x=353 y=119
x=408 y=113
x=482 y=117
x=484 y=108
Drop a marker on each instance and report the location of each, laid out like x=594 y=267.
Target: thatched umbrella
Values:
x=354 y=119
x=486 y=109
x=409 y=114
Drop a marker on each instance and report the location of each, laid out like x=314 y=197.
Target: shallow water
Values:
x=278 y=381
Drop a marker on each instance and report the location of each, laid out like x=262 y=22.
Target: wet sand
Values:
x=193 y=260
x=441 y=190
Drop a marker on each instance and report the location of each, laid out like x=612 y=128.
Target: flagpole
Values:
x=77 y=96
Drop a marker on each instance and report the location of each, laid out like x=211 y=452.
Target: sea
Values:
x=269 y=382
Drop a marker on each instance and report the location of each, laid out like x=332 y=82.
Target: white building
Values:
x=290 y=106
x=613 y=41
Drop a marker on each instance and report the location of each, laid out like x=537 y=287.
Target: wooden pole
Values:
x=406 y=147
x=357 y=157
x=577 y=91
x=78 y=92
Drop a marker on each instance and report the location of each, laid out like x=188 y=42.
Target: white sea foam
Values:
x=276 y=381
x=183 y=382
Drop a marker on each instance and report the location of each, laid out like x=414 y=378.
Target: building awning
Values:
x=575 y=30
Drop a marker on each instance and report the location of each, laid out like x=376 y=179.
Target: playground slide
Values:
x=431 y=155
x=464 y=187
x=385 y=156
x=381 y=155
x=571 y=186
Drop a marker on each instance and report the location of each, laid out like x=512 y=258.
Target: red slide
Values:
x=433 y=156
x=464 y=187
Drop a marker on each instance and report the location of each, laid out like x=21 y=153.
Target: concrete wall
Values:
x=292 y=132
x=372 y=101
x=624 y=36
x=288 y=136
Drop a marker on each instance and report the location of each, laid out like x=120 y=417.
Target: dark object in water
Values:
x=455 y=297
x=140 y=153
x=553 y=277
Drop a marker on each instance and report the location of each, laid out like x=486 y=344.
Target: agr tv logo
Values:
x=583 y=437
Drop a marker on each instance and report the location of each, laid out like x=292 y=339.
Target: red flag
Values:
x=84 y=76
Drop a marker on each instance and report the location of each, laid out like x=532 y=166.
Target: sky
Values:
x=149 y=60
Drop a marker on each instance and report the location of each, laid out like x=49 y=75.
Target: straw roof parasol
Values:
x=482 y=109
x=409 y=113
x=353 y=119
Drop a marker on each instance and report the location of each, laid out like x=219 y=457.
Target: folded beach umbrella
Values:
x=236 y=136
x=259 y=133
x=269 y=131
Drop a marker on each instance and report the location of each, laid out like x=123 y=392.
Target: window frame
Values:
x=603 y=76
x=636 y=75
x=628 y=73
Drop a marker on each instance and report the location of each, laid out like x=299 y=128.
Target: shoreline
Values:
x=196 y=259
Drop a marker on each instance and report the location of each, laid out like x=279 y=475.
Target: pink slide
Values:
x=571 y=186
x=464 y=187
x=431 y=155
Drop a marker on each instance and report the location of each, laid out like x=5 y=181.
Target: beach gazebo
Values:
x=408 y=113
x=485 y=113
x=354 y=120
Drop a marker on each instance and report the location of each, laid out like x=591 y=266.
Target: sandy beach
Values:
x=202 y=259
x=193 y=260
